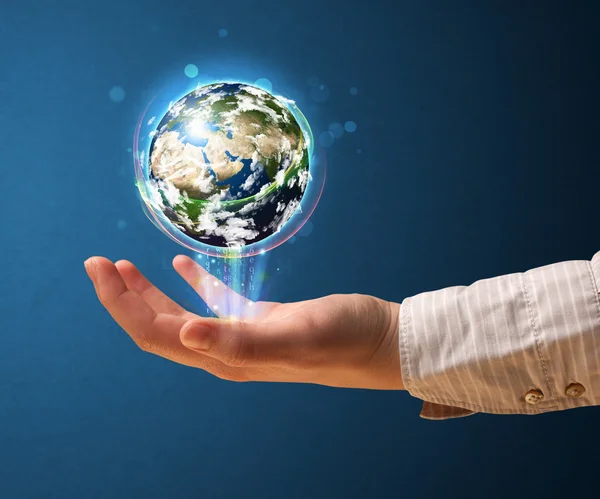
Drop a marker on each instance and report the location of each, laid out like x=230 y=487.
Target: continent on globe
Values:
x=228 y=164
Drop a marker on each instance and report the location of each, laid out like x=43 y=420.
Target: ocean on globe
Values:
x=229 y=164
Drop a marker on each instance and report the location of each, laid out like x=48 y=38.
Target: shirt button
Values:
x=534 y=396
x=575 y=390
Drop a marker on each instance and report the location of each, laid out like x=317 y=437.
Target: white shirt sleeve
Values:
x=523 y=343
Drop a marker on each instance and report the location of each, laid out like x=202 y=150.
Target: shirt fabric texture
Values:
x=481 y=348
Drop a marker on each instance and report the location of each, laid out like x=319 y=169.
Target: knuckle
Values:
x=107 y=298
x=236 y=352
x=146 y=344
x=103 y=299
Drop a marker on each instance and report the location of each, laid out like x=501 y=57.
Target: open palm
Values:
x=338 y=340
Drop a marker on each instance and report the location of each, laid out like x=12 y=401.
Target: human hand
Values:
x=340 y=340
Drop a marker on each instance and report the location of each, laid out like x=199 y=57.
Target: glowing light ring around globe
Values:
x=171 y=157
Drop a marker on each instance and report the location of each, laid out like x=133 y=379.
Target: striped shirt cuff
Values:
x=482 y=348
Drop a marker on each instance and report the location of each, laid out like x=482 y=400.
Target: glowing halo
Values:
x=156 y=109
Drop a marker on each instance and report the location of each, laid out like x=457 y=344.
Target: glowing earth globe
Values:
x=229 y=164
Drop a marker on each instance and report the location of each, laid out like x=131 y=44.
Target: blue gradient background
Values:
x=478 y=125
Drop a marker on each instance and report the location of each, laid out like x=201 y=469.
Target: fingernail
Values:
x=197 y=337
x=90 y=267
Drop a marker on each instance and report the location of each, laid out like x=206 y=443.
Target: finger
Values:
x=159 y=302
x=150 y=330
x=153 y=332
x=245 y=344
x=219 y=297
x=124 y=305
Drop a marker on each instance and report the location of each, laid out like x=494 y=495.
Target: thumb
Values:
x=241 y=344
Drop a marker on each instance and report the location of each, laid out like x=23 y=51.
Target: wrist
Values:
x=392 y=335
x=382 y=369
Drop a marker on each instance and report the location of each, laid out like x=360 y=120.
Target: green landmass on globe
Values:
x=229 y=164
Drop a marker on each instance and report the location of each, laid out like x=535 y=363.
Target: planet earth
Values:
x=229 y=164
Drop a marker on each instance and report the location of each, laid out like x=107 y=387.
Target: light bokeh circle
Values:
x=156 y=109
